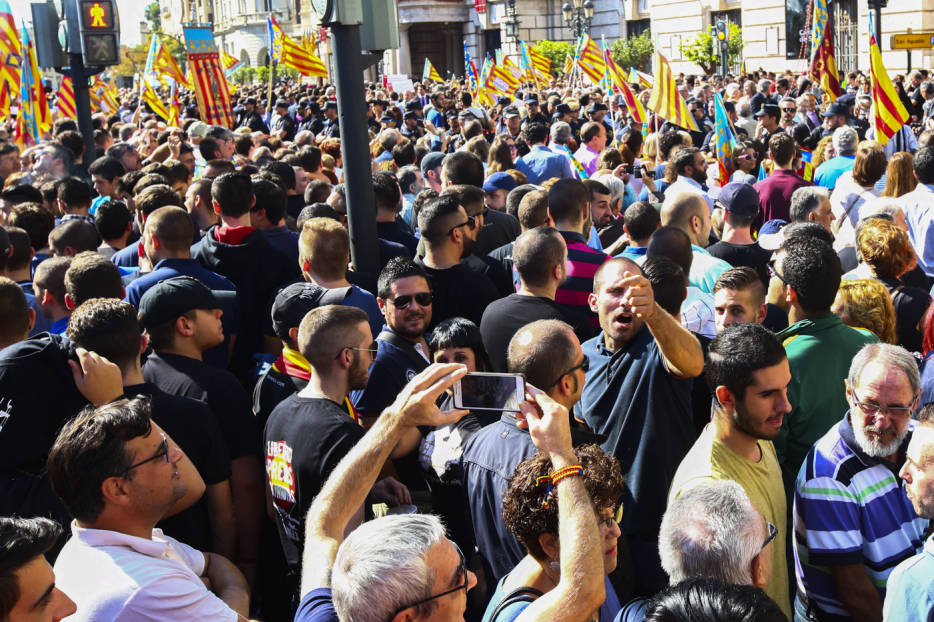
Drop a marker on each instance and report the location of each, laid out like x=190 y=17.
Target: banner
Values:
x=666 y=100
x=823 y=68
x=209 y=82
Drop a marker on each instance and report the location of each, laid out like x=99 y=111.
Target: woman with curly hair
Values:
x=502 y=154
x=866 y=303
x=823 y=151
x=530 y=510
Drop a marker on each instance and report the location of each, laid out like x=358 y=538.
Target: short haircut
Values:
x=710 y=530
x=217 y=167
x=567 y=199
x=271 y=197
x=108 y=327
x=742 y=278
x=107 y=167
x=403 y=154
x=387 y=193
x=111 y=219
x=641 y=219
x=284 y=171
x=892 y=356
x=73 y=192
x=533 y=210
x=309 y=158
x=173 y=226
x=317 y=191
x=37 y=221
x=680 y=207
x=542 y=351
x=782 y=148
x=22 y=193
x=813 y=270
x=91 y=275
x=234 y=193
x=674 y=244
x=210 y=149
x=50 y=277
x=408 y=178
x=515 y=196
x=595 y=187
x=21 y=541
x=589 y=131
x=669 y=283
x=437 y=217
x=845 y=140
x=668 y=141
x=737 y=352
x=91 y=448
x=325 y=243
x=462 y=167
x=80 y=235
x=535 y=133
x=707 y=599
x=808 y=229
x=805 y=200
x=924 y=164
x=154 y=197
x=325 y=330
x=683 y=159
x=396 y=269
x=536 y=253
x=14 y=322
x=21 y=249
x=469 y=197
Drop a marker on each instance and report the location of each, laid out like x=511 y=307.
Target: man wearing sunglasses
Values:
x=748 y=372
x=853 y=521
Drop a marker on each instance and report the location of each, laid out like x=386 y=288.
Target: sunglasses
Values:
x=162 y=451
x=402 y=302
x=776 y=273
x=469 y=222
x=583 y=366
x=773 y=531
x=746 y=156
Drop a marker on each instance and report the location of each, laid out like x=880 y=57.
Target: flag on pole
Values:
x=35 y=117
x=164 y=64
x=890 y=114
x=149 y=96
x=618 y=78
x=230 y=62
x=644 y=80
x=568 y=65
x=537 y=64
x=430 y=73
x=665 y=100
x=590 y=59
x=4 y=100
x=725 y=140
x=11 y=52
x=823 y=68
x=173 y=120
x=65 y=99
x=581 y=171
x=292 y=54
x=470 y=72
x=208 y=80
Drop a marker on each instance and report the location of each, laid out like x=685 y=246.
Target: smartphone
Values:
x=485 y=391
x=629 y=169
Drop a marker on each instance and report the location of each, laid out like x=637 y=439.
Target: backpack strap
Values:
x=518 y=595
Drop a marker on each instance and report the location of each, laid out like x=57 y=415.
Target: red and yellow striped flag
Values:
x=65 y=99
x=152 y=99
x=568 y=65
x=11 y=52
x=541 y=64
x=890 y=112
x=665 y=100
x=591 y=60
x=293 y=55
x=430 y=73
x=618 y=76
x=229 y=62
x=165 y=64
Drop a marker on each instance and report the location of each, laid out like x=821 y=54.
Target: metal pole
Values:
x=358 y=182
x=79 y=81
x=878 y=24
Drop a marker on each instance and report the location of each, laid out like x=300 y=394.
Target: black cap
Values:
x=836 y=108
x=510 y=112
x=281 y=103
x=739 y=198
x=431 y=161
x=295 y=301
x=165 y=301
x=531 y=100
x=502 y=100
x=563 y=109
x=249 y=101
x=385 y=117
x=770 y=109
x=450 y=113
x=413 y=104
x=330 y=104
x=411 y=114
x=596 y=107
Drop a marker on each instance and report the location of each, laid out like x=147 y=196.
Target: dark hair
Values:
x=210 y=149
x=535 y=133
x=924 y=165
x=107 y=167
x=437 y=217
x=111 y=219
x=21 y=541
x=458 y=332
x=683 y=159
x=408 y=178
x=14 y=321
x=514 y=198
x=567 y=199
x=704 y=600
x=808 y=229
x=672 y=243
x=536 y=253
x=21 y=249
x=641 y=220
x=317 y=191
x=669 y=283
x=91 y=275
x=243 y=144
x=153 y=197
x=108 y=327
x=386 y=189
x=397 y=268
x=80 y=235
x=737 y=352
x=403 y=154
x=590 y=131
x=91 y=448
x=221 y=166
x=71 y=139
x=271 y=197
x=35 y=220
x=595 y=187
x=316 y=210
x=73 y=192
x=234 y=193
x=22 y=193
x=668 y=141
x=172 y=226
x=284 y=171
x=524 y=509
x=741 y=278
x=813 y=270
x=469 y=197
x=50 y=277
x=309 y=158
x=463 y=167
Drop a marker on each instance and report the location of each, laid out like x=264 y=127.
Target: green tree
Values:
x=555 y=51
x=702 y=51
x=244 y=75
x=154 y=16
x=262 y=74
x=633 y=52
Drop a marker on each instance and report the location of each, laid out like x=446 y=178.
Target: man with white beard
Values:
x=853 y=522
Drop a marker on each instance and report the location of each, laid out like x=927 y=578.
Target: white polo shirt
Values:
x=115 y=576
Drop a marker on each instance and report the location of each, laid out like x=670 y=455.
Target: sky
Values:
x=131 y=14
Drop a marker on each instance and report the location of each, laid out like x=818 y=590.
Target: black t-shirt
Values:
x=397 y=232
x=503 y=255
x=192 y=426
x=458 y=291
x=272 y=387
x=218 y=388
x=751 y=255
x=498 y=228
x=304 y=440
x=504 y=317
x=493 y=270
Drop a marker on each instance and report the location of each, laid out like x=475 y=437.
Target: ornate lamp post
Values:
x=578 y=16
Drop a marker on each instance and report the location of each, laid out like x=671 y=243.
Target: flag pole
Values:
x=272 y=77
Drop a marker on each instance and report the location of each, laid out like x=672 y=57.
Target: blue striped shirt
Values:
x=850 y=508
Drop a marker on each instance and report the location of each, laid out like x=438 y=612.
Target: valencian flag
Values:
x=590 y=59
x=568 y=65
x=665 y=100
x=535 y=63
x=210 y=84
x=35 y=117
x=644 y=80
x=618 y=78
x=823 y=68
x=470 y=72
x=164 y=64
x=152 y=100
x=890 y=112
x=291 y=53
x=230 y=63
x=725 y=141
x=430 y=73
x=11 y=53
x=65 y=99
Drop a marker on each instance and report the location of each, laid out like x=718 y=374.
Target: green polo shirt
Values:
x=819 y=354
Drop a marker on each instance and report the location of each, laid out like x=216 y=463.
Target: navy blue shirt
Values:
x=283 y=240
x=398 y=233
x=316 y=606
x=127 y=257
x=389 y=373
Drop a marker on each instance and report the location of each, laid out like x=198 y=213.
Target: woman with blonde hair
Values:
x=502 y=154
x=866 y=303
x=823 y=151
x=900 y=175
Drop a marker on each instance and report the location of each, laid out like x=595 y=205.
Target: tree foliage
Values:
x=555 y=51
x=154 y=16
x=702 y=49
x=633 y=52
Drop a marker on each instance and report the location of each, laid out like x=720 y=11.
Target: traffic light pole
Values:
x=79 y=81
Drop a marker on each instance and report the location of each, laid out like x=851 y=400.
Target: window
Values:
x=797 y=33
x=643 y=6
x=636 y=27
x=734 y=16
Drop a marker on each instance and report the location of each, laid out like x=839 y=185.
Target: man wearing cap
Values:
x=541 y=163
x=283 y=126
x=331 y=124
x=183 y=320
x=596 y=112
x=410 y=128
x=511 y=123
x=768 y=124
x=737 y=246
x=835 y=116
x=495 y=189
x=431 y=170
x=533 y=112
x=250 y=118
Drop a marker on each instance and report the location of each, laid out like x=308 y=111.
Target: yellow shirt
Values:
x=710 y=459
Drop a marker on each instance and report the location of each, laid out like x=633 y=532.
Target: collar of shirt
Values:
x=849 y=437
x=689 y=181
x=698 y=249
x=572 y=236
x=232 y=235
x=155 y=547
x=811 y=325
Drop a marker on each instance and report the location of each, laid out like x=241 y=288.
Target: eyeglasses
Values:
x=461 y=570
x=615 y=519
x=774 y=272
x=872 y=409
x=789 y=109
x=583 y=366
x=773 y=531
x=469 y=222
x=746 y=156
x=162 y=451
x=402 y=302
x=373 y=349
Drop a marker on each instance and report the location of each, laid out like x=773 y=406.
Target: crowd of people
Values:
x=208 y=412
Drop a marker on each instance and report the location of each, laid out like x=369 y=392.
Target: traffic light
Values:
x=721 y=30
x=93 y=29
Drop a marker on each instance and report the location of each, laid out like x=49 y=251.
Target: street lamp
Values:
x=578 y=16
x=511 y=22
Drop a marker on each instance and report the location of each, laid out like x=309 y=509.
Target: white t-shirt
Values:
x=115 y=576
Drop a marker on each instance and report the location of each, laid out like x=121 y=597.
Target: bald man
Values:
x=689 y=212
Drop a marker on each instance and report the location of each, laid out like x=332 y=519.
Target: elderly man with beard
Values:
x=853 y=523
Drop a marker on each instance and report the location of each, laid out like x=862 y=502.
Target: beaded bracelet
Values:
x=557 y=476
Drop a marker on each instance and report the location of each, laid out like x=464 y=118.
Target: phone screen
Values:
x=479 y=391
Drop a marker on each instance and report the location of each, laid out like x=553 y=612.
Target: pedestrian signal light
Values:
x=97 y=14
x=99 y=24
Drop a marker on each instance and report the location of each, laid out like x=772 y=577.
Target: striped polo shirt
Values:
x=850 y=508
x=583 y=262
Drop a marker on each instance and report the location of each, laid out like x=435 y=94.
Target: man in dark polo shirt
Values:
x=638 y=394
x=775 y=190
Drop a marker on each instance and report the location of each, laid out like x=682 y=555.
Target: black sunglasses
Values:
x=583 y=366
x=469 y=222
x=162 y=451
x=773 y=531
x=402 y=302
x=461 y=570
x=774 y=272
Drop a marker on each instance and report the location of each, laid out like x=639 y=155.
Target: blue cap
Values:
x=499 y=181
x=770 y=235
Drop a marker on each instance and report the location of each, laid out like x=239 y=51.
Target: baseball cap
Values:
x=499 y=181
x=771 y=109
x=739 y=198
x=166 y=300
x=510 y=112
x=295 y=301
x=198 y=129
x=502 y=100
x=596 y=107
x=431 y=161
x=249 y=101
x=281 y=103
x=411 y=114
x=531 y=100
x=330 y=104
x=563 y=109
x=770 y=235
x=413 y=104
x=836 y=108
x=385 y=117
